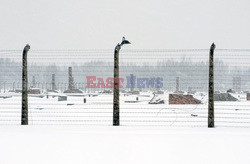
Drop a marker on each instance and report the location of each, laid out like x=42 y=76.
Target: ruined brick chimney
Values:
x=53 y=82
x=71 y=80
x=177 y=84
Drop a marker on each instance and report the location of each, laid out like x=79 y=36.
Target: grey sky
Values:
x=100 y=24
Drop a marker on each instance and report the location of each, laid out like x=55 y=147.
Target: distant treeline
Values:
x=193 y=75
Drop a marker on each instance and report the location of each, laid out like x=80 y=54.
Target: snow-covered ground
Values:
x=76 y=132
x=98 y=111
x=129 y=145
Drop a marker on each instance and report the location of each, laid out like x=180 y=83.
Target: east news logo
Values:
x=131 y=82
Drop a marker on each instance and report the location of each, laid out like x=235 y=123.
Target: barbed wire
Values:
x=99 y=111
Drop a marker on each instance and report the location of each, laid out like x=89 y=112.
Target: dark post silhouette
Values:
x=25 y=87
x=53 y=82
x=132 y=82
x=33 y=81
x=71 y=79
x=177 y=84
x=4 y=89
x=211 y=88
x=116 y=103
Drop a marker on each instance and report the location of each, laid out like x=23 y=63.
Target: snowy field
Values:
x=149 y=133
x=123 y=145
x=98 y=111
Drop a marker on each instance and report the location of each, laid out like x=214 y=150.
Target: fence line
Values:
x=231 y=71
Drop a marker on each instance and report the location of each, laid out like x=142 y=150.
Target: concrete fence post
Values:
x=211 y=88
x=116 y=102
x=24 y=120
x=116 y=105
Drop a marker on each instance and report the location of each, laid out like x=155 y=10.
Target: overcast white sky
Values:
x=100 y=24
